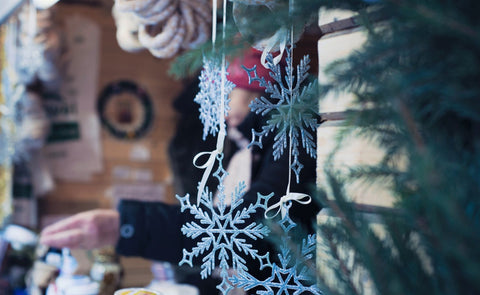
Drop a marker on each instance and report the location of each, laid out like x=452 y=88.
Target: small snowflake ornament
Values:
x=223 y=232
x=293 y=109
x=210 y=97
x=291 y=276
x=213 y=100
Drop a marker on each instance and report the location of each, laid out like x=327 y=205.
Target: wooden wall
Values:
x=150 y=73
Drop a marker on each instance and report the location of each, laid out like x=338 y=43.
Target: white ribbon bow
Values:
x=208 y=165
x=297 y=197
x=277 y=38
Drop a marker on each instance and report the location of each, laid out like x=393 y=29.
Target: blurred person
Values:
x=152 y=229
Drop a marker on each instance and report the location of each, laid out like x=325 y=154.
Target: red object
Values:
x=239 y=76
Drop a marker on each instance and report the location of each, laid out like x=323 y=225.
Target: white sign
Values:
x=74 y=147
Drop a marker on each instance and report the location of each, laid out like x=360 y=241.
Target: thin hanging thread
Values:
x=214 y=155
x=282 y=206
x=290 y=135
x=32 y=22
x=214 y=23
x=224 y=74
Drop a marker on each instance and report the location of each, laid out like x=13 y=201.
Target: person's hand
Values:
x=86 y=230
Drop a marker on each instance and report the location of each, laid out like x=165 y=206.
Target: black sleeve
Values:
x=152 y=230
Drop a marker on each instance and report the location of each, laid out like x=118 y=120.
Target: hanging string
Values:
x=32 y=21
x=214 y=23
x=283 y=205
x=223 y=133
x=215 y=154
x=290 y=133
x=224 y=75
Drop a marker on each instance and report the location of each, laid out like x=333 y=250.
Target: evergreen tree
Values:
x=419 y=72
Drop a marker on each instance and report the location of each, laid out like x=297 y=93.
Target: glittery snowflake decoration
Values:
x=210 y=97
x=293 y=109
x=291 y=276
x=223 y=232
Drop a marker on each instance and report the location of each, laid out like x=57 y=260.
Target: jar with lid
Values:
x=164 y=281
x=106 y=270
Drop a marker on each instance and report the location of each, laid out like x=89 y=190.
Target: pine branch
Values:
x=439 y=19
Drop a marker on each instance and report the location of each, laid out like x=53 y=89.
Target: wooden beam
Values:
x=353 y=22
x=333 y=116
x=339 y=25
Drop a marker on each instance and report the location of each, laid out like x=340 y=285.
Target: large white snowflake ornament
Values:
x=223 y=232
x=292 y=275
x=210 y=96
x=292 y=106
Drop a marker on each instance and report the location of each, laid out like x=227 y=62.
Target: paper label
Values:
x=73 y=147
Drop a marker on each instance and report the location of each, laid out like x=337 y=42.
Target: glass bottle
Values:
x=106 y=270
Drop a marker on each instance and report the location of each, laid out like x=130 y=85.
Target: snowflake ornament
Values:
x=223 y=232
x=292 y=276
x=293 y=109
x=210 y=97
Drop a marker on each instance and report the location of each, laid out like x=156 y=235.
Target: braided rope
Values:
x=164 y=27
